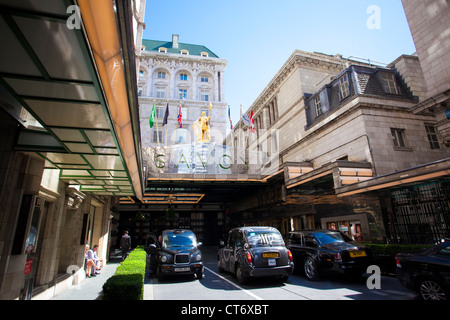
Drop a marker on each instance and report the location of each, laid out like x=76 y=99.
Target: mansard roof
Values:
x=362 y=80
x=194 y=49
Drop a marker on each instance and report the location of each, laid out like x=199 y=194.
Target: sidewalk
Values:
x=91 y=288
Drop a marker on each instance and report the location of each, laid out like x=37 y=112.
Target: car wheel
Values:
x=430 y=289
x=284 y=278
x=310 y=268
x=219 y=266
x=240 y=275
x=159 y=274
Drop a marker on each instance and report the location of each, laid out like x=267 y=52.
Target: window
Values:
x=140 y=91
x=184 y=113
x=344 y=87
x=164 y=50
x=182 y=94
x=160 y=93
x=318 y=106
x=141 y=73
x=161 y=75
x=159 y=112
x=398 y=137
x=185 y=52
x=204 y=96
x=204 y=54
x=388 y=81
x=204 y=79
x=310 y=241
x=183 y=76
x=295 y=238
x=157 y=136
x=432 y=137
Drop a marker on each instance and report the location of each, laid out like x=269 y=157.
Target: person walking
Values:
x=125 y=244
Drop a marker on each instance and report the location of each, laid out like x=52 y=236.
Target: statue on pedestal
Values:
x=202 y=127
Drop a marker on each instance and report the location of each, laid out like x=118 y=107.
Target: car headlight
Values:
x=164 y=258
x=196 y=256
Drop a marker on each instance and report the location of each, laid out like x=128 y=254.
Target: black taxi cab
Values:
x=255 y=252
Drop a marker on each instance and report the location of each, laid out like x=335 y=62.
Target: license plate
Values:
x=356 y=254
x=182 y=269
x=270 y=254
x=272 y=262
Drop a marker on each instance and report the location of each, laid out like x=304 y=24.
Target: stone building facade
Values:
x=63 y=126
x=332 y=123
x=429 y=22
x=177 y=75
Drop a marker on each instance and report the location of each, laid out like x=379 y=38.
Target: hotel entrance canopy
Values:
x=68 y=76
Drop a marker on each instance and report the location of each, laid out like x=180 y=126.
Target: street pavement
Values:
x=223 y=286
x=91 y=288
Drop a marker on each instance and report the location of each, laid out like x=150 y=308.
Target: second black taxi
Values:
x=176 y=253
x=255 y=252
x=320 y=251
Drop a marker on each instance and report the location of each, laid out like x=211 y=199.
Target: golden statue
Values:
x=202 y=127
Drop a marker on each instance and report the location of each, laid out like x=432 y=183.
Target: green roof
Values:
x=194 y=49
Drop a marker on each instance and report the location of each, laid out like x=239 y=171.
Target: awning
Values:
x=340 y=171
x=427 y=172
x=73 y=90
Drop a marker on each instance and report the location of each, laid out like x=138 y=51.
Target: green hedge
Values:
x=393 y=249
x=128 y=281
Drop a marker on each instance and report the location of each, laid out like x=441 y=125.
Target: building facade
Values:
x=185 y=78
x=335 y=124
x=70 y=138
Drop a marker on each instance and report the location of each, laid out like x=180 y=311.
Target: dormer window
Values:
x=318 y=105
x=388 y=81
x=204 y=54
x=185 y=52
x=344 y=86
x=162 y=49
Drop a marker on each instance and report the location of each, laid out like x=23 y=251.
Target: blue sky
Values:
x=256 y=37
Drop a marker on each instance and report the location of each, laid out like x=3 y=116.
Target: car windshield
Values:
x=171 y=240
x=329 y=237
x=264 y=238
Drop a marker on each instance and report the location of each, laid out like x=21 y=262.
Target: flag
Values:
x=166 y=115
x=179 y=117
x=245 y=119
x=229 y=117
x=152 y=117
x=252 y=122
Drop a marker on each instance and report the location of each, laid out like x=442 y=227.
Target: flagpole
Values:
x=157 y=128
x=167 y=124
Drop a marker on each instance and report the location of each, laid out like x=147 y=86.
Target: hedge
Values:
x=393 y=249
x=127 y=283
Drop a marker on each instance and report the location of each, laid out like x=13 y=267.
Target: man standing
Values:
x=125 y=244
